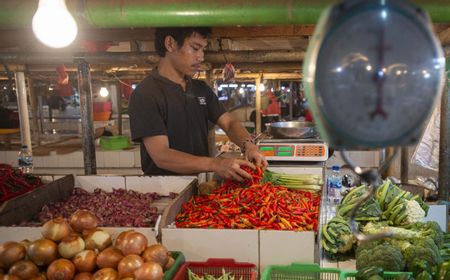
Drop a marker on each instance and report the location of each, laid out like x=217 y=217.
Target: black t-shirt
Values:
x=159 y=106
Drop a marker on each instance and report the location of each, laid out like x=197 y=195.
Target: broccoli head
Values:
x=381 y=254
x=421 y=250
x=430 y=229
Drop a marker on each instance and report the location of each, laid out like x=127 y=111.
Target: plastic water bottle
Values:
x=25 y=160
x=334 y=182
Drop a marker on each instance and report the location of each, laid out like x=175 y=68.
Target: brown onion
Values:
x=56 y=229
x=97 y=239
x=106 y=274
x=70 y=246
x=170 y=263
x=131 y=242
x=42 y=251
x=83 y=220
x=83 y=276
x=109 y=258
x=61 y=269
x=11 y=252
x=156 y=253
x=149 y=271
x=85 y=261
x=24 y=269
x=128 y=265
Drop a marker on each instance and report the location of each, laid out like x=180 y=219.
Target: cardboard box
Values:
x=30 y=204
x=260 y=247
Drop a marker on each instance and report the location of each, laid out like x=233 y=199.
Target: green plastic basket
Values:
x=350 y=275
x=179 y=260
x=300 y=271
x=315 y=272
x=114 y=142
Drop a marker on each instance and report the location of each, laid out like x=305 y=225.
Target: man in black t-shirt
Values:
x=169 y=112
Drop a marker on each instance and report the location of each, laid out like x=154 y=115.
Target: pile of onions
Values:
x=128 y=259
x=83 y=220
x=42 y=251
x=56 y=229
x=131 y=242
x=11 y=252
x=61 y=269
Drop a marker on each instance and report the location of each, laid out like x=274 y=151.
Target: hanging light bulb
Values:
x=104 y=92
x=262 y=87
x=53 y=25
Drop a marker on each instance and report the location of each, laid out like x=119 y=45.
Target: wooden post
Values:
x=22 y=104
x=34 y=112
x=391 y=169
x=87 y=122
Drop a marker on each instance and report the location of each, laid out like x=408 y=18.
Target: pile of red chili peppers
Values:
x=257 y=206
x=13 y=182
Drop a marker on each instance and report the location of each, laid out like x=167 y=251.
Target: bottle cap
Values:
x=336 y=168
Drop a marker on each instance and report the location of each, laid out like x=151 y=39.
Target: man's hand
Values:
x=230 y=168
x=253 y=154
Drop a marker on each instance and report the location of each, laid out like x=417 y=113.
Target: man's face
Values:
x=188 y=57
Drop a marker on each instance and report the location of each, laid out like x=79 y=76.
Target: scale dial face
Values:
x=378 y=72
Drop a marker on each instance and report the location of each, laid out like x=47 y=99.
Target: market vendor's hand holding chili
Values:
x=253 y=154
x=230 y=168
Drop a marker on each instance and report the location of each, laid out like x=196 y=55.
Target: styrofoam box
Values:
x=159 y=184
x=260 y=247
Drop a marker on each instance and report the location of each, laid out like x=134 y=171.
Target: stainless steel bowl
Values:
x=291 y=130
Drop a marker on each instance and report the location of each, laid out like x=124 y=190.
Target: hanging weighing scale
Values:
x=372 y=75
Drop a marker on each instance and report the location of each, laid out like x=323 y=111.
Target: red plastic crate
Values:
x=214 y=267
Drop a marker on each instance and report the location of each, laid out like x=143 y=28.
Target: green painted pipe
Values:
x=202 y=13
x=152 y=13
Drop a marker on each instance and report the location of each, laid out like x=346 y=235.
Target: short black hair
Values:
x=179 y=34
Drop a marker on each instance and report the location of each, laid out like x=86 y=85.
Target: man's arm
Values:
x=184 y=163
x=240 y=136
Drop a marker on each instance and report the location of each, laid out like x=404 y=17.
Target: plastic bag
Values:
x=426 y=153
